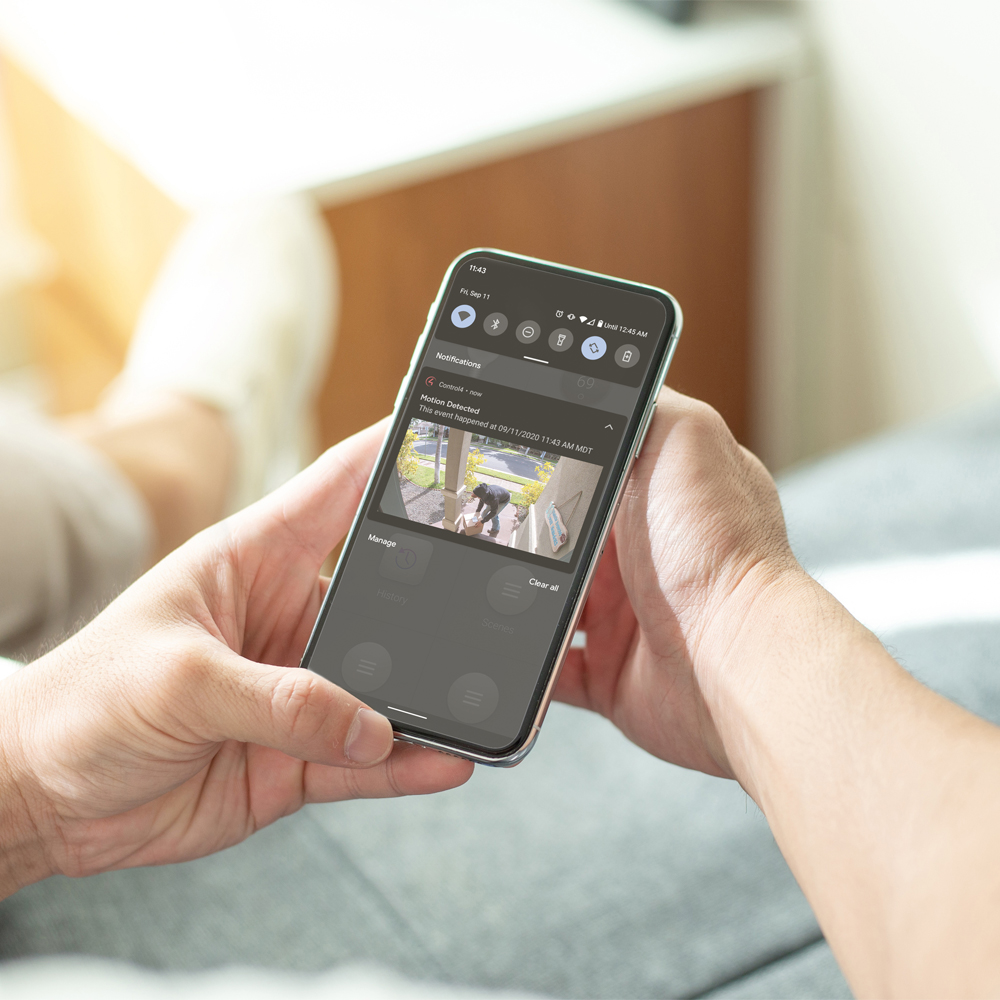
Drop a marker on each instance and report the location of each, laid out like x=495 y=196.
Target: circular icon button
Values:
x=561 y=339
x=626 y=356
x=509 y=592
x=473 y=698
x=528 y=332
x=366 y=666
x=463 y=316
x=495 y=324
x=593 y=348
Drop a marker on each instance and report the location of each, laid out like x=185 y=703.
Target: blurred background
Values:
x=814 y=181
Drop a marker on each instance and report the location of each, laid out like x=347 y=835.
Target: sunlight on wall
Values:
x=23 y=259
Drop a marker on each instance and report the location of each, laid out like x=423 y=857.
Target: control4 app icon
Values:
x=463 y=316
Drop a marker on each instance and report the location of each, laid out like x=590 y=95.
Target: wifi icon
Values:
x=583 y=319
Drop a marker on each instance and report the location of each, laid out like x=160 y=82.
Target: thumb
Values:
x=286 y=708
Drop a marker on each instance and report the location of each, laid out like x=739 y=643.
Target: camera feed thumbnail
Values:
x=488 y=488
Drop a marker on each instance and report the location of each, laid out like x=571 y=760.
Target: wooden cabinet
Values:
x=665 y=201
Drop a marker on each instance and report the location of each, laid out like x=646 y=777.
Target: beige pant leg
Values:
x=73 y=534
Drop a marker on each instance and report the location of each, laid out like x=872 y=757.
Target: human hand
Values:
x=698 y=554
x=709 y=646
x=171 y=726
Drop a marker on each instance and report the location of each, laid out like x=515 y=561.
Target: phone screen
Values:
x=458 y=583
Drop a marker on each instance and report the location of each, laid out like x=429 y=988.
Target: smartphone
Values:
x=459 y=587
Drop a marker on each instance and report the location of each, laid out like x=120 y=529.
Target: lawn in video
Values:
x=491 y=489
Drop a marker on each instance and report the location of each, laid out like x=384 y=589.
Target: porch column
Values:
x=454 y=476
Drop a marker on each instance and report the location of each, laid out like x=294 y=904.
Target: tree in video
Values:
x=491 y=489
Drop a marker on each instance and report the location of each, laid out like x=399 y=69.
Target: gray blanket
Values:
x=592 y=870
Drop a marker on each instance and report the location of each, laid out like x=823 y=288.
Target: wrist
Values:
x=770 y=677
x=23 y=858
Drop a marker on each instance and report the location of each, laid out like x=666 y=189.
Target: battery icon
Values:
x=600 y=322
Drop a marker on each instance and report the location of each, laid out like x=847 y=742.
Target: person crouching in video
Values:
x=494 y=499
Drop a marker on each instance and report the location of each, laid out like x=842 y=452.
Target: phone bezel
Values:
x=515 y=752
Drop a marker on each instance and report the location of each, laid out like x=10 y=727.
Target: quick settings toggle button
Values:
x=463 y=316
x=593 y=348
x=626 y=356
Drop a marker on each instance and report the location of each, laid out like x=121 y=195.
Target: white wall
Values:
x=882 y=223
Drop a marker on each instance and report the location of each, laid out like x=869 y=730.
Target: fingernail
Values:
x=369 y=738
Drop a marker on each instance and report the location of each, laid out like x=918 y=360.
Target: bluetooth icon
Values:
x=495 y=324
